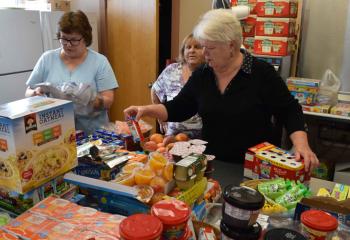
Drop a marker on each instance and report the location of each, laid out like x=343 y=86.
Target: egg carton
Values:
x=283 y=160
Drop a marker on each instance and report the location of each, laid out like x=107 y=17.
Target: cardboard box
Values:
x=273 y=46
x=277 y=8
x=275 y=27
x=248 y=26
x=250 y=3
x=37 y=138
x=267 y=161
x=60 y=5
x=248 y=43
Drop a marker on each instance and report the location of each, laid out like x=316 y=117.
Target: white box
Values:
x=37 y=142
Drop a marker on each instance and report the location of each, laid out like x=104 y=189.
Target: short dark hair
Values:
x=75 y=22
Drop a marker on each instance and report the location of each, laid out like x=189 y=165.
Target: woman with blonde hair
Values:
x=171 y=81
x=235 y=94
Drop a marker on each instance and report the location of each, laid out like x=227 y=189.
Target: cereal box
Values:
x=248 y=26
x=277 y=8
x=37 y=142
x=250 y=3
x=273 y=46
x=275 y=27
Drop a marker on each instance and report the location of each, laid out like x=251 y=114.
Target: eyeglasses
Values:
x=73 y=42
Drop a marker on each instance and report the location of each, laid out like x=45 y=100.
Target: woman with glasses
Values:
x=75 y=63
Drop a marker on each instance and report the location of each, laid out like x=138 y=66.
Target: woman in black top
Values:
x=235 y=94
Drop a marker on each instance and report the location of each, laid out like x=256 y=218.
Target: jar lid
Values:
x=243 y=197
x=283 y=234
x=140 y=226
x=171 y=211
x=319 y=220
x=251 y=233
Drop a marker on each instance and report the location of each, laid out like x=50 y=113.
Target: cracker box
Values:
x=37 y=142
x=273 y=46
x=275 y=27
x=277 y=8
x=250 y=3
x=267 y=161
x=248 y=26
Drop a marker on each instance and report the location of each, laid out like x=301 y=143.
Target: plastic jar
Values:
x=241 y=206
x=174 y=215
x=283 y=234
x=318 y=225
x=231 y=233
x=140 y=227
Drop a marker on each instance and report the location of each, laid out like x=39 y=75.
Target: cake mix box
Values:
x=317 y=108
x=248 y=26
x=273 y=46
x=275 y=27
x=304 y=89
x=277 y=8
x=250 y=3
x=248 y=43
x=37 y=142
x=267 y=161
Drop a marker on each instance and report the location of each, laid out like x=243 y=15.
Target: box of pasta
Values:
x=37 y=142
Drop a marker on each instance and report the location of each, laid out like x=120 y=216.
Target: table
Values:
x=227 y=173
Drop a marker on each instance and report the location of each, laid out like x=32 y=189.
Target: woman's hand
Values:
x=135 y=111
x=303 y=151
x=38 y=91
x=156 y=111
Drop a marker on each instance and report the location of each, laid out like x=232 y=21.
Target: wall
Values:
x=186 y=14
x=325 y=39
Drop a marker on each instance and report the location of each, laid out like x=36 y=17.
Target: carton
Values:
x=275 y=27
x=277 y=8
x=273 y=46
x=267 y=161
x=248 y=43
x=37 y=138
x=248 y=26
x=250 y=3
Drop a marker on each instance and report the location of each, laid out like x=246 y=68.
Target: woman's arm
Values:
x=104 y=100
x=155 y=111
x=33 y=92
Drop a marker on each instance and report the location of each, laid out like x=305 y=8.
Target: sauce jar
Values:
x=283 y=234
x=140 y=227
x=174 y=215
x=231 y=233
x=318 y=225
x=241 y=206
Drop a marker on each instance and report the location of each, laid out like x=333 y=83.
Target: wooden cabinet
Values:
x=132 y=49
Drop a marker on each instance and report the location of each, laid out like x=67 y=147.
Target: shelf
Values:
x=327 y=115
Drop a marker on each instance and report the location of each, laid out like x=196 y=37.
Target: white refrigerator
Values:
x=21 y=45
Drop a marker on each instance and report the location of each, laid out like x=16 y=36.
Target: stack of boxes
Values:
x=304 y=89
x=272 y=30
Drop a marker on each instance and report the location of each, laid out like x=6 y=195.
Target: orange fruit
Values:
x=160 y=145
x=181 y=137
x=143 y=176
x=161 y=149
x=125 y=179
x=129 y=168
x=157 y=161
x=157 y=138
x=150 y=146
x=168 y=172
x=158 y=184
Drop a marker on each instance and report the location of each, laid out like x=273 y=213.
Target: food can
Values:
x=174 y=215
x=140 y=227
x=232 y=233
x=283 y=234
x=318 y=225
x=242 y=206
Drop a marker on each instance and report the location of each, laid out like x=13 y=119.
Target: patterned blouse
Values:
x=167 y=86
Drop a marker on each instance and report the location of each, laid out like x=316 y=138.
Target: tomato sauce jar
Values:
x=242 y=206
x=140 y=227
x=174 y=215
x=318 y=225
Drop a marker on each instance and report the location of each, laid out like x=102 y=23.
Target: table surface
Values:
x=327 y=115
x=227 y=173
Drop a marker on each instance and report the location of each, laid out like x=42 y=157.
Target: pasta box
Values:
x=277 y=8
x=248 y=26
x=273 y=46
x=275 y=27
x=267 y=161
x=37 y=142
x=250 y=3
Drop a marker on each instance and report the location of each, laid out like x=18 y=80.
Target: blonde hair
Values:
x=219 y=25
x=181 y=57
